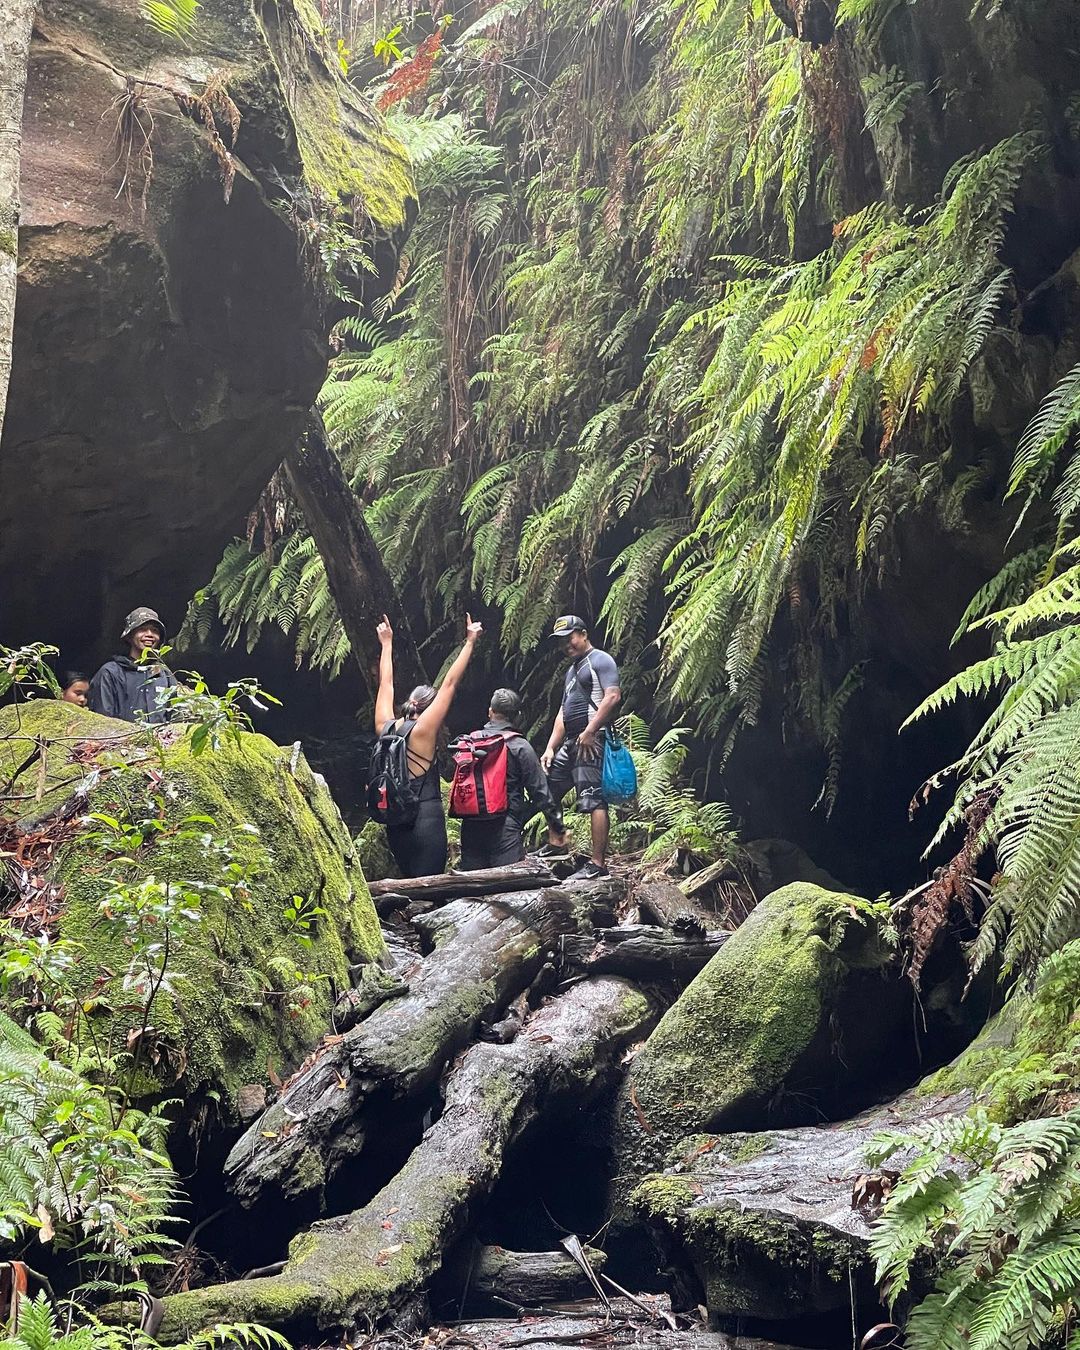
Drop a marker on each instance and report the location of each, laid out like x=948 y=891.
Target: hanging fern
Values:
x=1024 y=756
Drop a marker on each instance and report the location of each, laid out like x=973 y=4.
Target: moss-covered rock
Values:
x=374 y=853
x=766 y=1225
x=775 y=1026
x=249 y=995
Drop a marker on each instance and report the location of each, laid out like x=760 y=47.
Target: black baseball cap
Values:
x=566 y=624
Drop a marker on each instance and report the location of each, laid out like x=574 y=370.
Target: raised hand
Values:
x=385 y=631
x=472 y=630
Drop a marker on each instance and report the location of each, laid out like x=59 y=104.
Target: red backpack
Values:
x=478 y=791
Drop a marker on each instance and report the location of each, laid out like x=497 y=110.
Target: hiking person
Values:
x=404 y=760
x=574 y=756
x=127 y=687
x=74 y=687
x=495 y=770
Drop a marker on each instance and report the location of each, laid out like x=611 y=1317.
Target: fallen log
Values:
x=485 y=955
x=664 y=903
x=643 y=951
x=739 y=1214
x=525 y=1279
x=365 y=1266
x=591 y=1324
x=594 y=904
x=523 y=876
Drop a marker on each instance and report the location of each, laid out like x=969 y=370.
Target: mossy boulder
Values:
x=789 y=1018
x=250 y=995
x=374 y=853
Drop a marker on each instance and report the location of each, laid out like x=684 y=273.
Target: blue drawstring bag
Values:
x=618 y=781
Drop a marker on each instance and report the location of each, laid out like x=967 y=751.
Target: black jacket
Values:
x=123 y=689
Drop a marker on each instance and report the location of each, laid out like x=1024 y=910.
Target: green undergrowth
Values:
x=248 y=995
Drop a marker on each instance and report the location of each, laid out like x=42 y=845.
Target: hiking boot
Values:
x=550 y=852
x=590 y=872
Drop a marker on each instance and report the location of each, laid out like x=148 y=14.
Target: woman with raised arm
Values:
x=420 y=848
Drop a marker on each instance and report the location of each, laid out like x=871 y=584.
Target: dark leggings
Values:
x=419 y=849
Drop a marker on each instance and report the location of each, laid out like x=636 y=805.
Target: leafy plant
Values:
x=995 y=1212
x=172 y=18
x=80 y=1167
x=213 y=718
x=40 y=1329
x=27 y=669
x=386 y=48
x=1023 y=759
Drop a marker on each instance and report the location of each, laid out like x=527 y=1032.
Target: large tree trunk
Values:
x=487 y=953
x=359 y=582
x=15 y=29
x=367 y=1266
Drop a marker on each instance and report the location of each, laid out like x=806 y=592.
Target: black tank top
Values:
x=430 y=776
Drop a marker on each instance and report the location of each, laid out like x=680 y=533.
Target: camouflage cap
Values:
x=138 y=618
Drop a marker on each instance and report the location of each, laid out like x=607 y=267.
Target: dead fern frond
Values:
x=954 y=884
x=133 y=142
x=215 y=112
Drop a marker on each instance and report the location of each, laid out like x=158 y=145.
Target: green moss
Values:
x=752 y=1146
x=374 y=853
x=750 y=1263
x=280 y=1301
x=738 y=1030
x=663 y=1197
x=347 y=152
x=308 y=1175
x=222 y=1029
x=9 y=242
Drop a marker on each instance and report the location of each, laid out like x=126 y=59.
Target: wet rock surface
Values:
x=775 y=1225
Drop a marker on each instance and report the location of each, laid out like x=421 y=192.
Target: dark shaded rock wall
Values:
x=166 y=354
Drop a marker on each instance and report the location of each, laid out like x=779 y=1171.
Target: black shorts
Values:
x=580 y=770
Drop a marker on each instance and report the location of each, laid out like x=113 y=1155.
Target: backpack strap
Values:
x=402 y=726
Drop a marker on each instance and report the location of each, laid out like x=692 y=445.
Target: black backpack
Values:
x=393 y=798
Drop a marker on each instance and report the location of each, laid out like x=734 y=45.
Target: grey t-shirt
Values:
x=586 y=681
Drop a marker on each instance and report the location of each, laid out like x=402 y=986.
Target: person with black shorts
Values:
x=574 y=757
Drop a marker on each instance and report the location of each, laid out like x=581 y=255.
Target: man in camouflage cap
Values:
x=127 y=686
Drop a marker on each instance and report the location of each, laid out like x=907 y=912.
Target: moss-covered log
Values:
x=487 y=953
x=228 y=1022
x=364 y=1266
